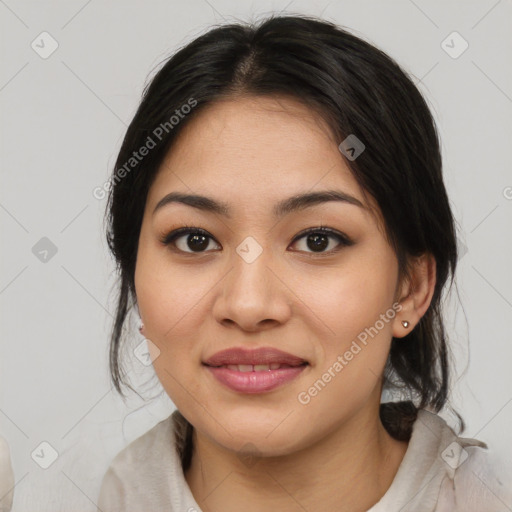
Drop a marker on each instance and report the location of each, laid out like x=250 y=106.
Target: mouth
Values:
x=245 y=368
x=254 y=370
x=258 y=359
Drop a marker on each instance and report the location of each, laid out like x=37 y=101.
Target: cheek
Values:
x=351 y=298
x=171 y=301
x=355 y=340
x=166 y=293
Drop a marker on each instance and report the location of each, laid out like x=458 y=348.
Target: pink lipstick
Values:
x=254 y=371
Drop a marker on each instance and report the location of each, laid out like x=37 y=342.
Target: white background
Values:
x=62 y=121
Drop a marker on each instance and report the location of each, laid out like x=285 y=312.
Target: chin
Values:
x=255 y=446
x=252 y=437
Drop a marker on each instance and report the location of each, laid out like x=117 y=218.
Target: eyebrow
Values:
x=292 y=204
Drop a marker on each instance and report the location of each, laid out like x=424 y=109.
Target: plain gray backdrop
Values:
x=63 y=117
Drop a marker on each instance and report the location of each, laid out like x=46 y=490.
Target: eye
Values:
x=195 y=239
x=318 y=239
x=192 y=240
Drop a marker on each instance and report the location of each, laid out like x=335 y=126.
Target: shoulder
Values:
x=443 y=472
x=474 y=477
x=481 y=481
x=153 y=442
x=6 y=476
x=139 y=471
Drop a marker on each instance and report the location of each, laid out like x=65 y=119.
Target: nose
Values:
x=253 y=295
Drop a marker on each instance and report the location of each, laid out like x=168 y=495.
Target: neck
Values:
x=350 y=469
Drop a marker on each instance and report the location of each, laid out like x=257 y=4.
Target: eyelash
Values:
x=343 y=240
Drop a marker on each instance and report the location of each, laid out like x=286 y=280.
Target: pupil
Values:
x=319 y=241
x=197 y=242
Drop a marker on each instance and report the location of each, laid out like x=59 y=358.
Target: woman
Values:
x=281 y=225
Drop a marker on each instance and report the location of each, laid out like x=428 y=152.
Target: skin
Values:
x=332 y=453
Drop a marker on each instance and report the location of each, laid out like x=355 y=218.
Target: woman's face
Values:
x=256 y=280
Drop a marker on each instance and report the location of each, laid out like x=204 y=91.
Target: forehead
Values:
x=248 y=148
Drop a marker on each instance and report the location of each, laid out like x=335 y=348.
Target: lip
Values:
x=261 y=355
x=254 y=381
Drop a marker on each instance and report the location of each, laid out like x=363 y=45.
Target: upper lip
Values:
x=262 y=355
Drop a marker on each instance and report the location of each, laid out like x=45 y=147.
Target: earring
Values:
x=405 y=323
x=141 y=326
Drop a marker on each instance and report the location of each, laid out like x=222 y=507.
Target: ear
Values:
x=415 y=294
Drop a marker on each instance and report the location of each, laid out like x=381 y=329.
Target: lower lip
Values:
x=255 y=382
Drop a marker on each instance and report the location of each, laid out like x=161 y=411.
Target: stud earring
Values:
x=141 y=326
x=405 y=323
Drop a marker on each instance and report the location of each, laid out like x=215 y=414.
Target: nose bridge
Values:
x=251 y=293
x=250 y=278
